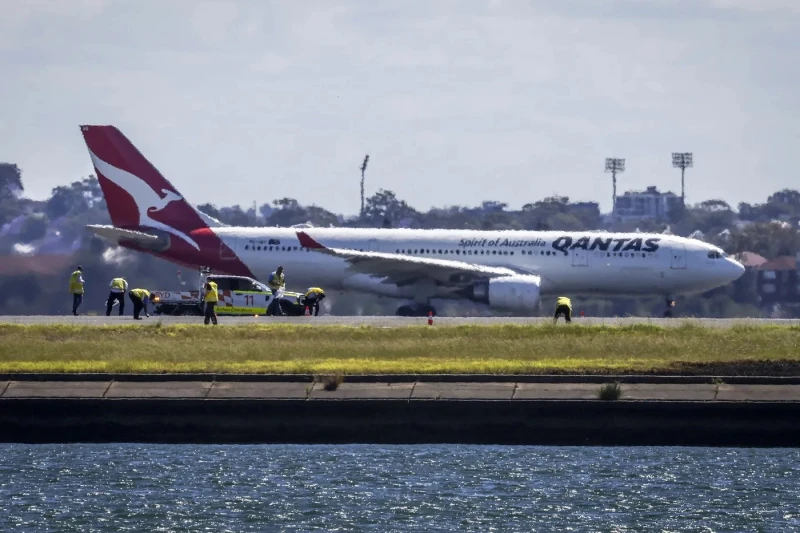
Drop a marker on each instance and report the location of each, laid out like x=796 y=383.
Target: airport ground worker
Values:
x=118 y=289
x=139 y=297
x=563 y=307
x=312 y=298
x=277 y=283
x=211 y=298
x=76 y=289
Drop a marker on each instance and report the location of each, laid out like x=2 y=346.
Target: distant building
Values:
x=650 y=203
x=751 y=260
x=777 y=281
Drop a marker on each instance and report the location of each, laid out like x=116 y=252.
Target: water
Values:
x=396 y=488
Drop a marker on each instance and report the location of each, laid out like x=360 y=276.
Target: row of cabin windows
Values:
x=506 y=252
x=276 y=248
x=457 y=252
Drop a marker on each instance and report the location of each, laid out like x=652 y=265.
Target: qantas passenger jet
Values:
x=502 y=269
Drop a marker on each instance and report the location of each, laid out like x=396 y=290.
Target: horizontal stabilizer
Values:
x=119 y=235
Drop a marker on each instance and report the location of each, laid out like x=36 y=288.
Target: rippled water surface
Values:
x=396 y=488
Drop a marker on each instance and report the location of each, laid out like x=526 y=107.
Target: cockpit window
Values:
x=713 y=254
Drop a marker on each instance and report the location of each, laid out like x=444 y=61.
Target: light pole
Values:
x=614 y=165
x=363 y=169
x=682 y=160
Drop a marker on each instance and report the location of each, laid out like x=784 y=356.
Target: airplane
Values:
x=504 y=270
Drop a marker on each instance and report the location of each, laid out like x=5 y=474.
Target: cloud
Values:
x=455 y=102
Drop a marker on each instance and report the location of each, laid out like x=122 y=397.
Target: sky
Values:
x=456 y=102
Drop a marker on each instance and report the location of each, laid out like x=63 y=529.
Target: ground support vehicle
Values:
x=238 y=296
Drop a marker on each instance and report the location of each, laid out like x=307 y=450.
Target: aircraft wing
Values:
x=405 y=270
x=119 y=235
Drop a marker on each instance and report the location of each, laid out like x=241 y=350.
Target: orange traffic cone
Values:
x=430 y=318
x=308 y=313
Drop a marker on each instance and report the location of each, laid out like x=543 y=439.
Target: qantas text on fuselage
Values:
x=502 y=269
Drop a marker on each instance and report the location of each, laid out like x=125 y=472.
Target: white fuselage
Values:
x=576 y=263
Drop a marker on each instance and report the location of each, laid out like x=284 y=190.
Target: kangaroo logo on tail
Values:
x=147 y=199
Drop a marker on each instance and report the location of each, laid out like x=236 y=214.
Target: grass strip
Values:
x=469 y=349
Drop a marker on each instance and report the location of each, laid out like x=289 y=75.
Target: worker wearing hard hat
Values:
x=312 y=298
x=211 y=298
x=139 y=297
x=76 y=289
x=563 y=307
x=276 y=282
x=117 y=295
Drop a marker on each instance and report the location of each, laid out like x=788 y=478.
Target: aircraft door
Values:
x=678 y=251
x=372 y=245
x=227 y=248
x=580 y=257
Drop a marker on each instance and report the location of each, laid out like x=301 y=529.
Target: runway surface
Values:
x=388 y=321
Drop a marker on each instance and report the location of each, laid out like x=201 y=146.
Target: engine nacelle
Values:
x=518 y=293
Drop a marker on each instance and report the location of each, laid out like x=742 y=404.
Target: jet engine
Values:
x=518 y=293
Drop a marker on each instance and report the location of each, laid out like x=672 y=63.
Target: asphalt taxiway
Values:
x=388 y=321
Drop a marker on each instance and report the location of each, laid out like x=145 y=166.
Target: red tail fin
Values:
x=136 y=193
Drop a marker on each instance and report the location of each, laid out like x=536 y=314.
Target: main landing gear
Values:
x=415 y=309
x=670 y=306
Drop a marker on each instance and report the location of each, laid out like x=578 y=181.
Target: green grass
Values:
x=505 y=349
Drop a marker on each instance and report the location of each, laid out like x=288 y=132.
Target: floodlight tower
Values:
x=682 y=160
x=614 y=165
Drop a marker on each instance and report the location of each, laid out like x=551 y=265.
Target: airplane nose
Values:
x=736 y=268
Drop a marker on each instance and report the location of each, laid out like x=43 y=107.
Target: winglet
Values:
x=307 y=242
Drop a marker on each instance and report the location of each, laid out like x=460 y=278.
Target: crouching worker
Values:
x=118 y=288
x=139 y=298
x=563 y=307
x=312 y=298
x=211 y=298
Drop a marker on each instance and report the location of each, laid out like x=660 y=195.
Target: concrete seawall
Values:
x=102 y=409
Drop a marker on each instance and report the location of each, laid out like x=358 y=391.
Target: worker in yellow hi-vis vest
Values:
x=139 y=297
x=277 y=283
x=118 y=289
x=211 y=298
x=312 y=298
x=76 y=289
x=563 y=307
